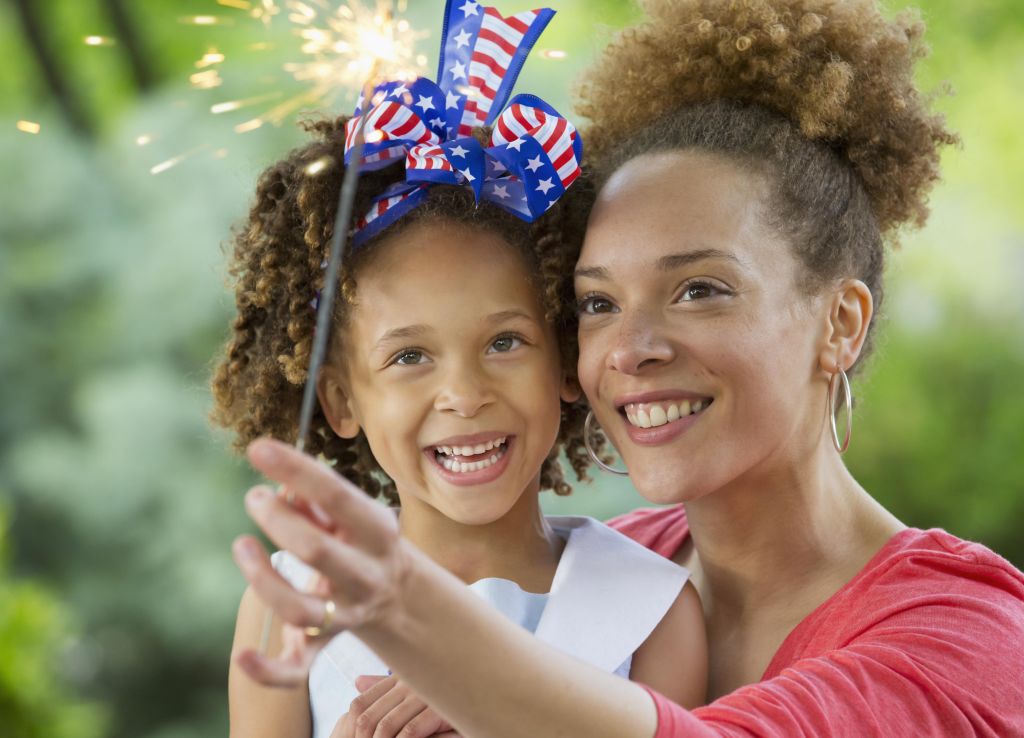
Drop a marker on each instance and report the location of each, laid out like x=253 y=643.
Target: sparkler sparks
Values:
x=340 y=44
x=27 y=126
x=98 y=41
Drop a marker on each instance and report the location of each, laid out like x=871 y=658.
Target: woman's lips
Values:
x=657 y=421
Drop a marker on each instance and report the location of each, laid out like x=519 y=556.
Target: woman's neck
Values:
x=519 y=546
x=786 y=539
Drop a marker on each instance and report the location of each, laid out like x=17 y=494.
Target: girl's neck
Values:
x=519 y=546
x=785 y=539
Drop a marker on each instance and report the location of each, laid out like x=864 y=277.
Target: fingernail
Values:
x=246 y=551
x=257 y=496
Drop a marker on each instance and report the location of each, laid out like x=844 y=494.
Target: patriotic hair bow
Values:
x=533 y=154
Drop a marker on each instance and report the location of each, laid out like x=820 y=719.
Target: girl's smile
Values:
x=470 y=460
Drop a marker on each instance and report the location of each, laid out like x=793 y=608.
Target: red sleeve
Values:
x=937 y=654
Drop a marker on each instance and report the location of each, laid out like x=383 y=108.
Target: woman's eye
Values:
x=407 y=358
x=503 y=344
x=595 y=304
x=699 y=291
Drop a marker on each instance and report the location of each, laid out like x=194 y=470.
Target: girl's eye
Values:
x=503 y=344
x=410 y=357
x=699 y=291
x=595 y=304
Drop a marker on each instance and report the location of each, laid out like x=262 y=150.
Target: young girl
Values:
x=446 y=389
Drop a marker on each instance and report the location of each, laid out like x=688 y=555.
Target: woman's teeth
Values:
x=447 y=456
x=651 y=415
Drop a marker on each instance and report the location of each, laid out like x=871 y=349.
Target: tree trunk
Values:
x=74 y=114
x=129 y=40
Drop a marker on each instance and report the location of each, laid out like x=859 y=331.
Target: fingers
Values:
x=346 y=567
x=424 y=723
x=348 y=506
x=292 y=606
x=365 y=682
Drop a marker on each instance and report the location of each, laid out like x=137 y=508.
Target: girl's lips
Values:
x=472 y=478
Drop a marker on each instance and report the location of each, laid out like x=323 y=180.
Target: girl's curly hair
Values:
x=818 y=95
x=276 y=268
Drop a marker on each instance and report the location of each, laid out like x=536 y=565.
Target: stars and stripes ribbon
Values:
x=533 y=154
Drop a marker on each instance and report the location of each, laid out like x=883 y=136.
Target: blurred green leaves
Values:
x=36 y=643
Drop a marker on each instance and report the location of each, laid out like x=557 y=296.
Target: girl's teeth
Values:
x=684 y=408
x=480 y=448
x=658 y=416
x=673 y=413
x=462 y=467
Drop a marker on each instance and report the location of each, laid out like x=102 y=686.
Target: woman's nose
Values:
x=638 y=344
x=465 y=392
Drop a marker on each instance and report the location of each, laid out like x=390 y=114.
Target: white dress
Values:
x=607 y=596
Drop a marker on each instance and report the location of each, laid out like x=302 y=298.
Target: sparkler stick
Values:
x=325 y=306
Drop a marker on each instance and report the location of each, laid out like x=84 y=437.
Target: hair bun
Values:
x=839 y=71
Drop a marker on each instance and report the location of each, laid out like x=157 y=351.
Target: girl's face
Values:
x=451 y=371
x=698 y=350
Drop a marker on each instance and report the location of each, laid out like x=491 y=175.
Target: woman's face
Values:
x=698 y=348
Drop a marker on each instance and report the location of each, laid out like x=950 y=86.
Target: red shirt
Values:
x=926 y=640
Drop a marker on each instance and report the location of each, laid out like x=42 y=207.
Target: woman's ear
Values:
x=850 y=308
x=336 y=402
x=570 y=390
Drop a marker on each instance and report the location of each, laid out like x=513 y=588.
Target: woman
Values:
x=752 y=157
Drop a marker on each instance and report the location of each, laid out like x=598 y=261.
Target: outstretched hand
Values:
x=350 y=540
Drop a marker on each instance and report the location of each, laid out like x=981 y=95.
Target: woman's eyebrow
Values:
x=664 y=264
x=674 y=261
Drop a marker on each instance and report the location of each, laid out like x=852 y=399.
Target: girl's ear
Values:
x=570 y=390
x=336 y=402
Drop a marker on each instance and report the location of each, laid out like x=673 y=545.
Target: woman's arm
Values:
x=941 y=664
x=257 y=711
x=674 y=658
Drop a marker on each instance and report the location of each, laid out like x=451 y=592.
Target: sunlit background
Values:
x=131 y=133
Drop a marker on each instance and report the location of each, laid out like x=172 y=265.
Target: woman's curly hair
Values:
x=816 y=94
x=276 y=268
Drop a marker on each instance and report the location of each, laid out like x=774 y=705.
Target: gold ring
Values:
x=315 y=631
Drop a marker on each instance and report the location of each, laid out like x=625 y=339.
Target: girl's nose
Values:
x=465 y=393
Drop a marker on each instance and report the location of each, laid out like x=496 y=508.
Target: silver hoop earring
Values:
x=587 y=424
x=848 y=398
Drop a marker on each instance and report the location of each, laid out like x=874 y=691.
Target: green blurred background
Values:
x=117 y=502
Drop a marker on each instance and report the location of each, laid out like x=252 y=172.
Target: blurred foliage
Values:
x=34 y=631
x=112 y=308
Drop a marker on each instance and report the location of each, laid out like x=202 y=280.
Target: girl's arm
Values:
x=257 y=711
x=674 y=658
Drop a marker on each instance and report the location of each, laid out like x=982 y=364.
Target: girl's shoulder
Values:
x=661 y=529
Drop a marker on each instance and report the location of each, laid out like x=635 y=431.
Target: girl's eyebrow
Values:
x=664 y=264
x=507 y=315
x=404 y=333
x=413 y=332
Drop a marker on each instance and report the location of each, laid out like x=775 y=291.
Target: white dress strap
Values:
x=608 y=595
